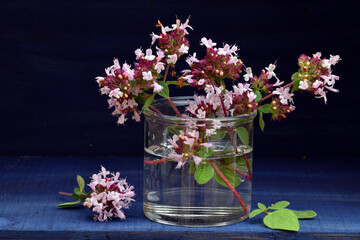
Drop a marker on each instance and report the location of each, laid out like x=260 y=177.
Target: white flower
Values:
x=157 y=87
x=149 y=55
x=116 y=64
x=191 y=59
x=184 y=48
x=227 y=50
x=251 y=96
x=201 y=82
x=138 y=53
x=248 y=74
x=316 y=84
x=159 y=67
x=207 y=43
x=197 y=160
x=303 y=85
x=147 y=76
x=172 y=59
x=99 y=79
x=284 y=95
x=105 y=90
x=154 y=37
x=201 y=114
x=270 y=71
x=116 y=93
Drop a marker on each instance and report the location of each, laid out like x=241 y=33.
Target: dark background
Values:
x=51 y=51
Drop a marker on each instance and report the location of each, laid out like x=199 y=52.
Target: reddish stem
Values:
x=174 y=107
x=230 y=186
x=240 y=172
x=156 y=161
x=155 y=109
x=234 y=145
x=166 y=72
x=70 y=194
x=271 y=94
x=248 y=166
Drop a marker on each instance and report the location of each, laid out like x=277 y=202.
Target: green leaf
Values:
x=165 y=92
x=261 y=121
x=265 y=108
x=75 y=196
x=243 y=135
x=261 y=206
x=231 y=176
x=220 y=134
x=283 y=219
x=305 y=214
x=81 y=182
x=204 y=153
x=175 y=129
x=203 y=173
x=140 y=99
x=77 y=191
x=258 y=95
x=148 y=102
x=295 y=77
x=296 y=86
x=69 y=204
x=279 y=205
x=240 y=161
x=176 y=83
x=255 y=212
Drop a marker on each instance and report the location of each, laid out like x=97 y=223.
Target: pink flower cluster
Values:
x=125 y=86
x=185 y=147
x=118 y=85
x=280 y=105
x=315 y=74
x=172 y=41
x=241 y=100
x=218 y=64
x=109 y=195
x=262 y=82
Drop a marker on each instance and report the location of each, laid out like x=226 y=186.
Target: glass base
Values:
x=194 y=216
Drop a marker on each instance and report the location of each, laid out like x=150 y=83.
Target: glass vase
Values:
x=196 y=184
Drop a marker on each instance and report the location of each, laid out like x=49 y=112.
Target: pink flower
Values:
x=270 y=71
x=172 y=59
x=248 y=74
x=147 y=76
x=157 y=87
x=303 y=85
x=207 y=43
x=159 y=67
x=154 y=37
x=116 y=93
x=110 y=195
x=183 y=49
x=138 y=53
x=149 y=55
x=191 y=59
x=284 y=95
x=197 y=160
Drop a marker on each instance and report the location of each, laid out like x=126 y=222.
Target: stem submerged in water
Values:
x=230 y=186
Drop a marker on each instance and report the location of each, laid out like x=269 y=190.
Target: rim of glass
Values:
x=149 y=112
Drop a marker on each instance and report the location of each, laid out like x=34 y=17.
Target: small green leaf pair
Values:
x=282 y=218
x=79 y=194
x=205 y=172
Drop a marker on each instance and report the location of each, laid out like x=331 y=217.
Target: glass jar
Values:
x=197 y=172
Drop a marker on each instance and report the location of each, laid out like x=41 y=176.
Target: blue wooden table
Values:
x=30 y=185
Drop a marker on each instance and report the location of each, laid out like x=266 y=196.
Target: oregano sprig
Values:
x=282 y=218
